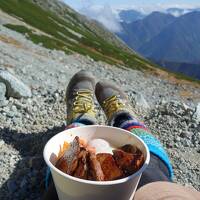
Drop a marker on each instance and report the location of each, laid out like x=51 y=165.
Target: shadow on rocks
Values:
x=26 y=181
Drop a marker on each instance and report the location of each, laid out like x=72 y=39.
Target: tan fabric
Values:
x=166 y=191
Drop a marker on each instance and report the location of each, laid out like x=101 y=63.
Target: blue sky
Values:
x=78 y=4
x=106 y=11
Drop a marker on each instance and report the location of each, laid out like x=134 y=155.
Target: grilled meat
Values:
x=69 y=161
x=96 y=172
x=82 y=169
x=80 y=161
x=110 y=169
x=128 y=148
x=128 y=162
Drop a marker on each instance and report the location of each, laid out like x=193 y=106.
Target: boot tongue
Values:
x=119 y=118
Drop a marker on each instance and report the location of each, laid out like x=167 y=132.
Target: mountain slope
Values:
x=129 y=16
x=67 y=13
x=189 y=69
x=65 y=30
x=179 y=42
x=136 y=34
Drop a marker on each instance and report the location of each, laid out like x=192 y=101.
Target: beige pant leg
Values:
x=166 y=191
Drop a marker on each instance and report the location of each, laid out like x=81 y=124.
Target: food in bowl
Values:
x=97 y=160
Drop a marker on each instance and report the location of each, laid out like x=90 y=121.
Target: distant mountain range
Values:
x=178 y=41
x=129 y=16
x=173 y=42
x=138 y=33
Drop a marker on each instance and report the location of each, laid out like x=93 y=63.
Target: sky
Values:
x=106 y=11
x=146 y=4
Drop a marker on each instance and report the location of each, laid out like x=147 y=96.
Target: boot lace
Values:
x=83 y=102
x=112 y=105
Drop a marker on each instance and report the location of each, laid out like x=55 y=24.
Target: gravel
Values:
x=27 y=123
x=175 y=125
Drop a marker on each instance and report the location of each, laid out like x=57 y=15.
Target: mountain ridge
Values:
x=176 y=43
x=137 y=33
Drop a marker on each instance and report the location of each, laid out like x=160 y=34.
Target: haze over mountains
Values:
x=173 y=42
x=131 y=15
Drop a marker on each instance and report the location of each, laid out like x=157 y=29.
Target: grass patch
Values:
x=18 y=28
x=46 y=41
x=181 y=76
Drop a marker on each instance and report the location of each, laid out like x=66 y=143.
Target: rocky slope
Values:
x=63 y=10
x=56 y=26
x=26 y=123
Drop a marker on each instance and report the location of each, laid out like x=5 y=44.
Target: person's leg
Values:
x=120 y=114
x=166 y=191
x=80 y=112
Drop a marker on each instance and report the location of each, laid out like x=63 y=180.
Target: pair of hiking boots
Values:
x=80 y=96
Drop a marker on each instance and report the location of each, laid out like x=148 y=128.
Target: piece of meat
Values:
x=128 y=148
x=82 y=169
x=69 y=161
x=128 y=162
x=95 y=169
x=110 y=169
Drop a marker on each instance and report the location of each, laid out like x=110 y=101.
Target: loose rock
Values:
x=2 y=91
x=197 y=113
x=15 y=87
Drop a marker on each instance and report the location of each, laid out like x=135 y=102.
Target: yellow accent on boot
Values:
x=112 y=105
x=83 y=103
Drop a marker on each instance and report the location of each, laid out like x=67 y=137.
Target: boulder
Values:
x=15 y=87
x=139 y=100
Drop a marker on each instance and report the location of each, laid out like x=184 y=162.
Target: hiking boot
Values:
x=80 y=99
x=114 y=102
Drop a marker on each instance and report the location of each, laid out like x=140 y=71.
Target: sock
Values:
x=121 y=118
x=86 y=121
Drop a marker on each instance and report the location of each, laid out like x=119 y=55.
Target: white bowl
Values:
x=72 y=188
